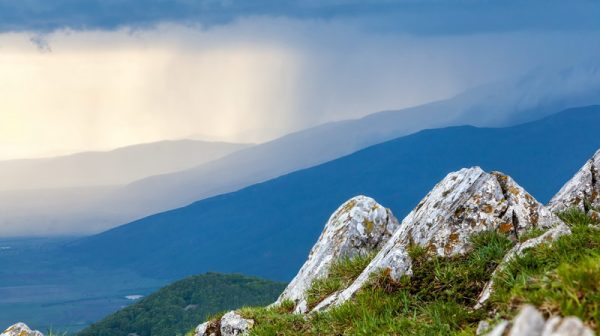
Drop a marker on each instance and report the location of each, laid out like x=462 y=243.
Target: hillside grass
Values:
x=341 y=274
x=438 y=299
x=563 y=278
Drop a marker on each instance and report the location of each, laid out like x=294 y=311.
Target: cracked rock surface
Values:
x=358 y=227
x=581 y=191
x=20 y=329
x=463 y=203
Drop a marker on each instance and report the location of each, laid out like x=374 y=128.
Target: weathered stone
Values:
x=568 y=326
x=482 y=327
x=530 y=322
x=581 y=190
x=20 y=329
x=202 y=329
x=232 y=324
x=462 y=204
x=499 y=329
x=358 y=227
x=547 y=237
x=551 y=325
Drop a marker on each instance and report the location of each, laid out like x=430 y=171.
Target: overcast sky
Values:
x=87 y=75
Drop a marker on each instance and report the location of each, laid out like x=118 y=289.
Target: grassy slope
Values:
x=563 y=278
x=175 y=309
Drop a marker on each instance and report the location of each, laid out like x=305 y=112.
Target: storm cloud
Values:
x=409 y=16
x=92 y=75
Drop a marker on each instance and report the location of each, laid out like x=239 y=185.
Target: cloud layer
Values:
x=251 y=80
x=409 y=16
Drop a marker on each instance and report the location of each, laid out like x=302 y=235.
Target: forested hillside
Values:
x=175 y=309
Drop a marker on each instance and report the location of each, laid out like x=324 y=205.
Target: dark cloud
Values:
x=422 y=17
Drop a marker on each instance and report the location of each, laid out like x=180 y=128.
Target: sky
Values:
x=96 y=75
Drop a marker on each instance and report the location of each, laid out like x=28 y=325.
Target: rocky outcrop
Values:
x=582 y=191
x=530 y=322
x=20 y=329
x=462 y=204
x=209 y=328
x=231 y=324
x=358 y=227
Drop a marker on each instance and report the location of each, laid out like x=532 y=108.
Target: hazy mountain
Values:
x=116 y=167
x=538 y=94
x=500 y=104
x=267 y=229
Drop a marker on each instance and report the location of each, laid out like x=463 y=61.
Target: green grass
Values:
x=530 y=234
x=560 y=279
x=438 y=299
x=435 y=300
x=341 y=274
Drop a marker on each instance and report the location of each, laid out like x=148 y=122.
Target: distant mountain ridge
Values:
x=506 y=103
x=267 y=229
x=114 y=167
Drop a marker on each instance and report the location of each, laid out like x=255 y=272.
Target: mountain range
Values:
x=266 y=229
x=94 y=209
x=115 y=167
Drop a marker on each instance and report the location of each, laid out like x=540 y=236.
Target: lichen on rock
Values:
x=230 y=324
x=209 y=328
x=582 y=191
x=233 y=324
x=358 y=227
x=20 y=329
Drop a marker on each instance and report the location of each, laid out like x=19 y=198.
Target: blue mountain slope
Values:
x=267 y=229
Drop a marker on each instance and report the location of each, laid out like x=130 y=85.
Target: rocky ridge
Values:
x=464 y=203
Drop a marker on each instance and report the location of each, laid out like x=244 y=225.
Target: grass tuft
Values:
x=341 y=274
